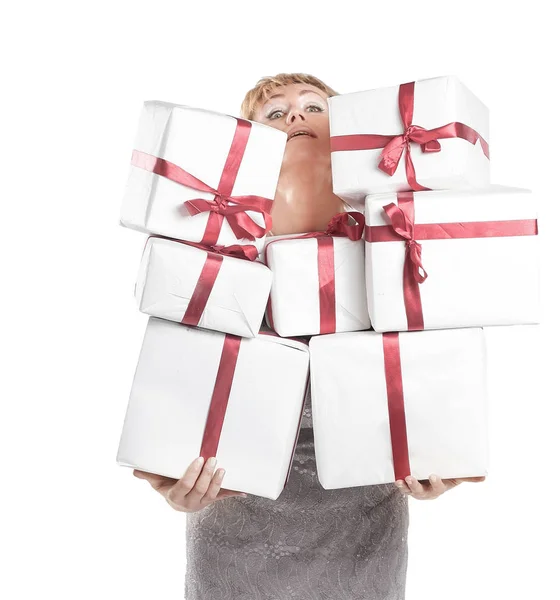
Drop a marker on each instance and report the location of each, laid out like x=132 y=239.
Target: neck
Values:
x=307 y=206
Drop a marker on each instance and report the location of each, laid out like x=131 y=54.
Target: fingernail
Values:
x=409 y=479
x=433 y=478
x=199 y=461
x=212 y=461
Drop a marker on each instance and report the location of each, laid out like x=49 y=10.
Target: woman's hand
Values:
x=429 y=489
x=195 y=490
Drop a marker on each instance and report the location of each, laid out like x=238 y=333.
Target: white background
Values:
x=74 y=524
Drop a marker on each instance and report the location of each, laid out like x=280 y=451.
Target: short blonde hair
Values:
x=266 y=85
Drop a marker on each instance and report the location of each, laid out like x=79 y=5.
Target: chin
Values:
x=297 y=157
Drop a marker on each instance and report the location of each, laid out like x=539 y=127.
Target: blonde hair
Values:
x=265 y=86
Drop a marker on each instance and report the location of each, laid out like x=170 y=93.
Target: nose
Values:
x=294 y=114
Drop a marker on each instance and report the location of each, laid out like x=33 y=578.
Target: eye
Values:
x=317 y=107
x=275 y=112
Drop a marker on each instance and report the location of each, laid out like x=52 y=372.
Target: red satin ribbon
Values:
x=208 y=276
x=202 y=290
x=395 y=399
x=220 y=399
x=220 y=396
x=224 y=205
x=245 y=252
x=403 y=228
x=395 y=145
x=339 y=226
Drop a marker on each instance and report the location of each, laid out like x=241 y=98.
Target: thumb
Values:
x=158 y=482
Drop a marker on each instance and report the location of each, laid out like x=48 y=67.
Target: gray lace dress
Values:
x=308 y=544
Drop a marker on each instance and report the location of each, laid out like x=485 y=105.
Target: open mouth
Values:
x=301 y=133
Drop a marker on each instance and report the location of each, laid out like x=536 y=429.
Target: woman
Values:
x=310 y=543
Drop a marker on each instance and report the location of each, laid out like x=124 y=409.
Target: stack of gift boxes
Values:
x=394 y=294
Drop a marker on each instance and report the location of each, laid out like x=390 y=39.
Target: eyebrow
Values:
x=300 y=94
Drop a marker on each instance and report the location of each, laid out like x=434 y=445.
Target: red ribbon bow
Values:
x=392 y=153
x=245 y=252
x=231 y=207
x=340 y=225
x=404 y=227
x=395 y=145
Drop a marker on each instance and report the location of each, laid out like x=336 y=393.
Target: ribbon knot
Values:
x=420 y=135
x=246 y=252
x=234 y=209
x=404 y=227
x=219 y=205
x=414 y=252
x=409 y=132
x=340 y=225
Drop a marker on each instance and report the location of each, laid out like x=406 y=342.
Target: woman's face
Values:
x=301 y=110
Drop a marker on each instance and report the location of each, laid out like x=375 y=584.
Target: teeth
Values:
x=299 y=133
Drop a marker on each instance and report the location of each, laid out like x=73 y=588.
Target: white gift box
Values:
x=445 y=406
x=437 y=102
x=198 y=141
x=171 y=396
x=471 y=282
x=173 y=276
x=295 y=304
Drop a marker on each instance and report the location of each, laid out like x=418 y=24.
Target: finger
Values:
x=437 y=484
x=402 y=487
x=417 y=489
x=216 y=492
x=200 y=486
x=214 y=486
x=205 y=477
x=473 y=479
x=186 y=484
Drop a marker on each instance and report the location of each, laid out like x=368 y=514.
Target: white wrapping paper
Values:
x=471 y=282
x=294 y=296
x=198 y=141
x=444 y=386
x=170 y=399
x=437 y=101
x=169 y=274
